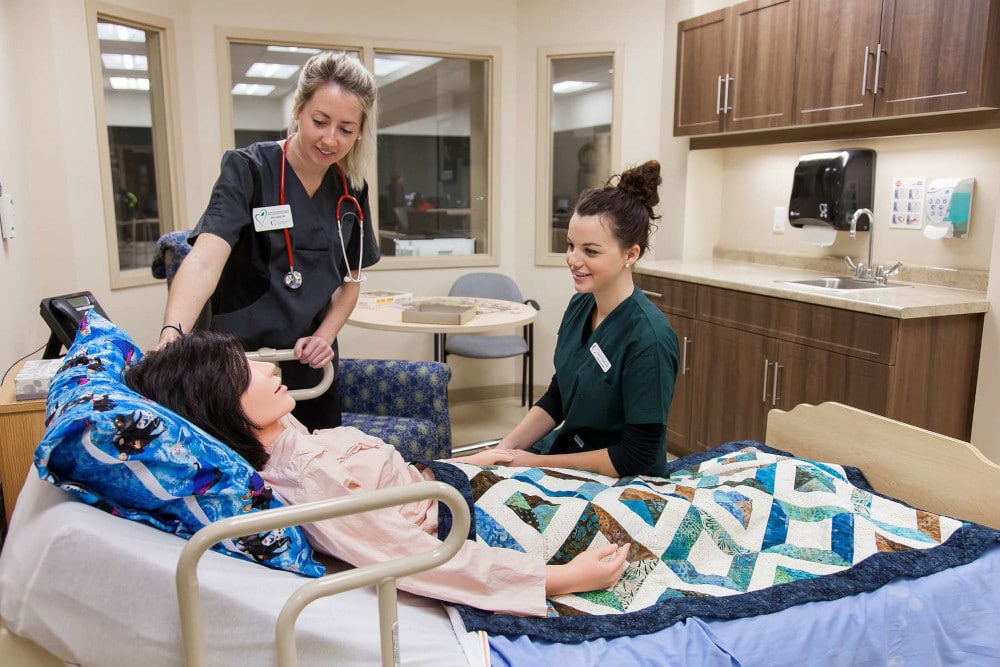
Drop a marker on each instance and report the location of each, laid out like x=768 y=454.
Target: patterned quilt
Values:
x=741 y=530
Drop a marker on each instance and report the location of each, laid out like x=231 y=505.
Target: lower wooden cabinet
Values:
x=744 y=354
x=679 y=420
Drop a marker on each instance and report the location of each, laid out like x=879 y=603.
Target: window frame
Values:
x=164 y=121
x=544 y=160
x=226 y=35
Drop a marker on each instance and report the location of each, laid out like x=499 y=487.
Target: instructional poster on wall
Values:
x=907 y=203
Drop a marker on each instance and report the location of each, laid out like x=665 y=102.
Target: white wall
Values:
x=756 y=180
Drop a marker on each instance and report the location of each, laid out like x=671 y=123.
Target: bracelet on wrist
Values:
x=178 y=328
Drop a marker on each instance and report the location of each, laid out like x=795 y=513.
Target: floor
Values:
x=480 y=421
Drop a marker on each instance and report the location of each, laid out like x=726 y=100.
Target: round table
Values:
x=491 y=314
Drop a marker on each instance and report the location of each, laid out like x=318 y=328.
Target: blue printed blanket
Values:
x=737 y=531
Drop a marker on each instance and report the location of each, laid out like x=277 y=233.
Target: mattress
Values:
x=94 y=589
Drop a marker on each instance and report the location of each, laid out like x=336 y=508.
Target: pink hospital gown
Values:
x=341 y=461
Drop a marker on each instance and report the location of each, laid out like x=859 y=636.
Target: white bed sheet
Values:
x=93 y=589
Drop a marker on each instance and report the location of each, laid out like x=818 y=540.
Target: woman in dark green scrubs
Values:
x=616 y=355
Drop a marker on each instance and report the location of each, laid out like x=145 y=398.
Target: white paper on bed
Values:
x=95 y=589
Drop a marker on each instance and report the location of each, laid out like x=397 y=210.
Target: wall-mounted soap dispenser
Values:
x=829 y=186
x=949 y=207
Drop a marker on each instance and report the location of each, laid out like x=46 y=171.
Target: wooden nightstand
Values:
x=22 y=424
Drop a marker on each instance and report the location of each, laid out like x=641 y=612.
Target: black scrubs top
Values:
x=251 y=299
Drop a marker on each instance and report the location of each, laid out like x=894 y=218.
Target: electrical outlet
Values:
x=780 y=218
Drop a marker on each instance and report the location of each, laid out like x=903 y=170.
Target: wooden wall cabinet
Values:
x=861 y=59
x=773 y=64
x=735 y=68
x=748 y=353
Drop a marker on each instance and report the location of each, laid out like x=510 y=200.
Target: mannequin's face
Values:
x=266 y=400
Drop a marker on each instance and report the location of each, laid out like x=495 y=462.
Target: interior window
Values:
x=433 y=149
x=581 y=140
x=132 y=101
x=430 y=185
x=264 y=78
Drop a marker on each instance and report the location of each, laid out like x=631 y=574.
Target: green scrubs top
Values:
x=622 y=373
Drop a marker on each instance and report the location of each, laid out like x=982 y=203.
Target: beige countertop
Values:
x=904 y=301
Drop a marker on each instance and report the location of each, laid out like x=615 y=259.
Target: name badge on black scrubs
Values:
x=269 y=218
x=602 y=360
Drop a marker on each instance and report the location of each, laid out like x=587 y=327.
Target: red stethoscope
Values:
x=293 y=279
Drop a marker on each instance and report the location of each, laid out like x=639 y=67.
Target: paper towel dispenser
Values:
x=829 y=186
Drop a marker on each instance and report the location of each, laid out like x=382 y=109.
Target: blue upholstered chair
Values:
x=405 y=403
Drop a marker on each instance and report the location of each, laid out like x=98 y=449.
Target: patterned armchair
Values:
x=405 y=403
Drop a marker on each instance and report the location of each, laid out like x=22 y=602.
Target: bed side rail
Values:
x=274 y=356
x=384 y=575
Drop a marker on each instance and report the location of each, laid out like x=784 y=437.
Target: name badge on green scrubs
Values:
x=269 y=218
x=602 y=360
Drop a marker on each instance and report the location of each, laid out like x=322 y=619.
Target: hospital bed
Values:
x=82 y=587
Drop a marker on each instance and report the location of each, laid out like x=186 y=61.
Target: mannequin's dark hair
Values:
x=627 y=204
x=202 y=376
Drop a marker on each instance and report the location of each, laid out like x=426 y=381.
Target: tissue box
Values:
x=376 y=298
x=33 y=379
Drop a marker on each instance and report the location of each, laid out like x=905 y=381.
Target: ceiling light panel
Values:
x=125 y=61
x=119 y=33
x=261 y=90
x=128 y=83
x=291 y=49
x=271 y=71
x=564 y=87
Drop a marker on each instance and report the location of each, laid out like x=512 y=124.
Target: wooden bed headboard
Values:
x=920 y=467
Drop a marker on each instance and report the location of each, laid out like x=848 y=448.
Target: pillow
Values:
x=121 y=452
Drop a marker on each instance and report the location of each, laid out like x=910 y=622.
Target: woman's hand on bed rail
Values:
x=314 y=351
x=594 y=569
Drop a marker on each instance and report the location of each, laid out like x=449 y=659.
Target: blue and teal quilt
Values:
x=737 y=531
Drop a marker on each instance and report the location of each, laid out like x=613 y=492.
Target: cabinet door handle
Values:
x=718 y=95
x=774 y=384
x=767 y=366
x=878 y=63
x=650 y=293
x=864 y=72
x=726 y=108
x=684 y=356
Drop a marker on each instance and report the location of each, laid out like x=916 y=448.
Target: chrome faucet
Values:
x=861 y=269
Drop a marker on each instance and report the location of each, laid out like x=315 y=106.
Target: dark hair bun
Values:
x=642 y=182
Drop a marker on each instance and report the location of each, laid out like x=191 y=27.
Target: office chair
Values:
x=480 y=346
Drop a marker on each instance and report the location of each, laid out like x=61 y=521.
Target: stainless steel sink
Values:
x=840 y=283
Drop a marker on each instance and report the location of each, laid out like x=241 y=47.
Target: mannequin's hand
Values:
x=594 y=569
x=313 y=350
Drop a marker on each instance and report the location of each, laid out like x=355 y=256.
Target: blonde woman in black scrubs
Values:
x=279 y=249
